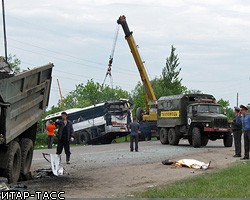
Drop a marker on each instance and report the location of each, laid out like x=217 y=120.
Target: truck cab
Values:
x=196 y=117
x=210 y=120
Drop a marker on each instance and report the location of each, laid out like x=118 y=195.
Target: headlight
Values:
x=207 y=124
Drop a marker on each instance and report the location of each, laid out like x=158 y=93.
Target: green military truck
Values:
x=195 y=117
x=23 y=99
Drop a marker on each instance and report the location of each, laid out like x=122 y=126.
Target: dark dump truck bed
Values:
x=23 y=99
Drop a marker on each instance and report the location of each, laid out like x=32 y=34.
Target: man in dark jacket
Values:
x=64 y=135
x=237 y=131
x=134 y=135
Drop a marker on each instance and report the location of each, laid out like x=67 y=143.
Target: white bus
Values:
x=100 y=123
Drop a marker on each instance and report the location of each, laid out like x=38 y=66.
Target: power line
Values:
x=67 y=55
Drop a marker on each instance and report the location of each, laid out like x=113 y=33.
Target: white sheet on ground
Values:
x=56 y=167
x=191 y=163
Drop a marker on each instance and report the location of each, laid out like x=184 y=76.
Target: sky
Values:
x=211 y=38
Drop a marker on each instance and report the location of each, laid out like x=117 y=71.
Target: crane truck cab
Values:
x=195 y=117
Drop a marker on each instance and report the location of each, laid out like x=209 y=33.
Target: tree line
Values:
x=91 y=93
x=168 y=83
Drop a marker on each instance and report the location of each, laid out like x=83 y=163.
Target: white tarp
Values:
x=56 y=167
x=192 y=163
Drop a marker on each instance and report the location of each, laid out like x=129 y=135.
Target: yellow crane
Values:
x=150 y=117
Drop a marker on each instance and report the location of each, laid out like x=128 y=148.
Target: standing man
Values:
x=237 y=131
x=245 y=119
x=134 y=135
x=51 y=131
x=64 y=135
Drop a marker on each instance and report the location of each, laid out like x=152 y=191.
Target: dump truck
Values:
x=196 y=117
x=24 y=97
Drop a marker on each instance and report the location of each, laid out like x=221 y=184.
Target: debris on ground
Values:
x=3 y=187
x=12 y=188
x=191 y=163
x=41 y=173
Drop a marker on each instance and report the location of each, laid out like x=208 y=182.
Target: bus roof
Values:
x=70 y=111
x=74 y=110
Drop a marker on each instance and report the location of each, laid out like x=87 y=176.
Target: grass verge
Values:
x=232 y=182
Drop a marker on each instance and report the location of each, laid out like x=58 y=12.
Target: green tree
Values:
x=224 y=104
x=226 y=109
x=168 y=84
x=92 y=93
x=14 y=63
x=138 y=97
x=171 y=82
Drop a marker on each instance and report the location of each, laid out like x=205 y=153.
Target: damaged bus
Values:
x=100 y=123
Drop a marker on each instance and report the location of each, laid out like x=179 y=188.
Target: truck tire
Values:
x=228 y=140
x=139 y=113
x=173 y=137
x=196 y=137
x=204 y=140
x=83 y=137
x=13 y=169
x=164 y=136
x=26 y=157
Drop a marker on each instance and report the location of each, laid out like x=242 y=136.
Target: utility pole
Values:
x=4 y=32
x=60 y=92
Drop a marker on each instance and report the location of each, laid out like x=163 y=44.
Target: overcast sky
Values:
x=212 y=40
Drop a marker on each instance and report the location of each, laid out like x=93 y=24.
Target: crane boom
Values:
x=148 y=120
x=139 y=63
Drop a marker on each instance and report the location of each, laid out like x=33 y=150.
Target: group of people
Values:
x=241 y=124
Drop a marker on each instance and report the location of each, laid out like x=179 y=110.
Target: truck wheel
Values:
x=164 y=136
x=26 y=156
x=139 y=113
x=13 y=169
x=228 y=140
x=204 y=140
x=196 y=137
x=173 y=137
x=83 y=137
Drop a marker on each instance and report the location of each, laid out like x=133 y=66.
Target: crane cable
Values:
x=108 y=73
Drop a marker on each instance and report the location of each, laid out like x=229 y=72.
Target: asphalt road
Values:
x=118 y=154
x=113 y=171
